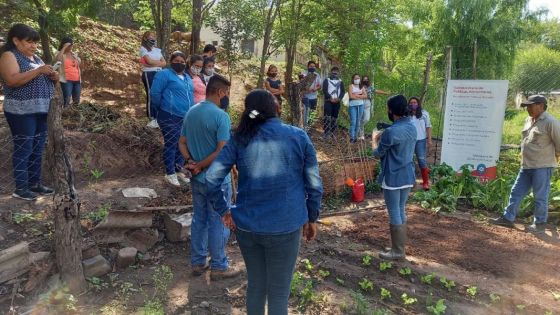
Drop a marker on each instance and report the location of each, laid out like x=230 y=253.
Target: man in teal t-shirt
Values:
x=206 y=129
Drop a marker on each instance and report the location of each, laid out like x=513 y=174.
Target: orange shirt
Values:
x=71 y=69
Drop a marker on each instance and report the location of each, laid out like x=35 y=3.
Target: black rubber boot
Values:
x=398 y=239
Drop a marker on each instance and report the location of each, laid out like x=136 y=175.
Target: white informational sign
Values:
x=472 y=132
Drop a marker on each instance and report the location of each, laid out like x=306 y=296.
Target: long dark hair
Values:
x=21 y=32
x=418 y=113
x=260 y=106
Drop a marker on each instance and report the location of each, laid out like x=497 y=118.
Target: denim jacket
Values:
x=396 y=149
x=279 y=184
x=171 y=93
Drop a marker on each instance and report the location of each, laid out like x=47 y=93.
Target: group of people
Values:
x=276 y=204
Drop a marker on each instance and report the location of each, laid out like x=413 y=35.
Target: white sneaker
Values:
x=183 y=178
x=153 y=124
x=172 y=179
x=361 y=138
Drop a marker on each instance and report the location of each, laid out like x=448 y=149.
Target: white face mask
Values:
x=195 y=70
x=357 y=81
x=209 y=71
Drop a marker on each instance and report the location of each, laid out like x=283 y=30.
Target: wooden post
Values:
x=427 y=71
x=68 y=242
x=448 y=65
x=294 y=93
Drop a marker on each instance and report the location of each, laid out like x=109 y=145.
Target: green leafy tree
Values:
x=536 y=70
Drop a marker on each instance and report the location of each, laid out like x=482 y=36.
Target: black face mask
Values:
x=366 y=82
x=310 y=70
x=178 y=67
x=224 y=103
x=273 y=75
x=152 y=42
x=334 y=76
x=391 y=116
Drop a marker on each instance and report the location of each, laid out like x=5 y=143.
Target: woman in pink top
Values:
x=195 y=68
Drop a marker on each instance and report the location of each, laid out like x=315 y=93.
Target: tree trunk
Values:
x=68 y=241
x=196 y=25
x=475 y=53
x=43 y=33
x=291 y=44
x=426 y=77
x=294 y=94
x=271 y=16
x=166 y=7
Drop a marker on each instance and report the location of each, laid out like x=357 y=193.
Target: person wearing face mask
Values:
x=357 y=95
x=395 y=148
x=368 y=104
x=310 y=96
x=421 y=119
x=208 y=71
x=69 y=71
x=274 y=86
x=195 y=66
x=29 y=87
x=206 y=129
x=333 y=91
x=151 y=61
x=172 y=96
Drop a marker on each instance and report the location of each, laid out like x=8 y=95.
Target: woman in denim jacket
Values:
x=279 y=196
x=396 y=149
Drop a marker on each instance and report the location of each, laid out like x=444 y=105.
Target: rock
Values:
x=91 y=250
x=14 y=261
x=177 y=227
x=10 y=231
x=96 y=266
x=141 y=239
x=126 y=257
x=204 y=304
x=126 y=220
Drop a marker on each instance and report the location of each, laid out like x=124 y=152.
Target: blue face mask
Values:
x=310 y=70
x=224 y=103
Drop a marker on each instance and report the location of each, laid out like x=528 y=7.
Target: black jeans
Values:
x=147 y=79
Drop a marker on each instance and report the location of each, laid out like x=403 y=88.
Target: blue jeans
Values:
x=396 y=204
x=208 y=232
x=170 y=126
x=420 y=151
x=308 y=105
x=270 y=261
x=539 y=180
x=29 y=133
x=356 y=114
x=73 y=89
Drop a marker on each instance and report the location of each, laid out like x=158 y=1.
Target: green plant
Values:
x=100 y=214
x=366 y=260
x=448 y=284
x=361 y=305
x=297 y=281
x=153 y=307
x=366 y=285
x=20 y=217
x=324 y=273
x=385 y=265
x=437 y=309
x=520 y=307
x=340 y=281
x=494 y=297
x=385 y=294
x=96 y=174
x=307 y=264
x=405 y=272
x=302 y=289
x=428 y=279
x=471 y=291
x=548 y=313
x=408 y=300
x=555 y=295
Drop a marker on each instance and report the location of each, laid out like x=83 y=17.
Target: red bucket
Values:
x=358 y=190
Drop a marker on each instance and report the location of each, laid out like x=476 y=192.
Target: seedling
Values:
x=324 y=273
x=405 y=272
x=494 y=297
x=384 y=265
x=520 y=306
x=437 y=309
x=366 y=285
x=307 y=264
x=385 y=294
x=428 y=279
x=97 y=283
x=548 y=313
x=448 y=284
x=407 y=300
x=340 y=281
x=555 y=295
x=96 y=173
x=471 y=291
x=366 y=260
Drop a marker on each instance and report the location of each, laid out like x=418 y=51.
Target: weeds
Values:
x=307 y=264
x=154 y=304
x=97 y=284
x=324 y=273
x=96 y=174
x=21 y=218
x=100 y=214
